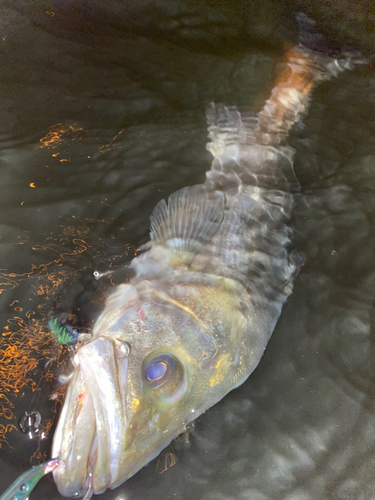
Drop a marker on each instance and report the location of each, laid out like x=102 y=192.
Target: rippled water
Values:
x=95 y=131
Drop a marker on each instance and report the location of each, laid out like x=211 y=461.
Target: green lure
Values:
x=64 y=335
x=24 y=485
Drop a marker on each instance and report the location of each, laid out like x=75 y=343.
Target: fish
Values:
x=21 y=488
x=206 y=293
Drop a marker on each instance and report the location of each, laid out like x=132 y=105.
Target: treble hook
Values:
x=90 y=489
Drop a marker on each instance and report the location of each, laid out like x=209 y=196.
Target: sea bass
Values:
x=206 y=294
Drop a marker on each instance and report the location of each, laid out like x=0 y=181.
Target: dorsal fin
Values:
x=188 y=222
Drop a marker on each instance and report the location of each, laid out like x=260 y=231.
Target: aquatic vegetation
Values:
x=59 y=133
x=29 y=351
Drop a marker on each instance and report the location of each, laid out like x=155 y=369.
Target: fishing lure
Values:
x=24 y=485
x=64 y=335
x=66 y=329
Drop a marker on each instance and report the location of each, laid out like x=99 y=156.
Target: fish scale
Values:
x=253 y=166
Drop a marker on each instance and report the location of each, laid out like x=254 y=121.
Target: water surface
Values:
x=95 y=131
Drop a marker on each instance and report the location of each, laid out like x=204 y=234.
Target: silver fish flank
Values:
x=206 y=294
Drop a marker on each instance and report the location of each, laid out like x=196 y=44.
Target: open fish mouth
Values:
x=91 y=429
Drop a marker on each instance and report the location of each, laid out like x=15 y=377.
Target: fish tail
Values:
x=253 y=166
x=306 y=65
x=290 y=97
x=253 y=147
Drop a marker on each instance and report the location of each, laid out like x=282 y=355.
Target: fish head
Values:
x=147 y=373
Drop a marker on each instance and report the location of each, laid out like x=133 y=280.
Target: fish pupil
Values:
x=156 y=371
x=23 y=487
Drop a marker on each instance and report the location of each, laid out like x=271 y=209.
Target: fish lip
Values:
x=74 y=452
x=92 y=420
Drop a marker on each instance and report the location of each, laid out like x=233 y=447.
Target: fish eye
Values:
x=164 y=374
x=156 y=371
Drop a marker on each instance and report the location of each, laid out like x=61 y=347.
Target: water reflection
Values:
x=29 y=422
x=123 y=122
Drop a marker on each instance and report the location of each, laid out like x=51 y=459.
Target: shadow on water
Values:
x=103 y=119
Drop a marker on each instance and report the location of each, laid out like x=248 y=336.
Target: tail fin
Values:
x=253 y=167
x=307 y=64
x=290 y=96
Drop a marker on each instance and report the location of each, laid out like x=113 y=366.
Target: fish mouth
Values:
x=91 y=428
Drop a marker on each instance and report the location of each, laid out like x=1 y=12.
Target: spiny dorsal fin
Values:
x=188 y=222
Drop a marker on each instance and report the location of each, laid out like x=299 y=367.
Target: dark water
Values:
x=121 y=118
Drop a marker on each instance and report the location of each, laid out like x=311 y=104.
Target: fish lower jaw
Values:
x=75 y=475
x=68 y=488
x=89 y=435
x=82 y=467
x=81 y=476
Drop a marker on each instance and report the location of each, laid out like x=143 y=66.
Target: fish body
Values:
x=206 y=294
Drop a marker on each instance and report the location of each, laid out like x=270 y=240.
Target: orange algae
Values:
x=59 y=133
x=24 y=344
x=28 y=354
x=166 y=460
